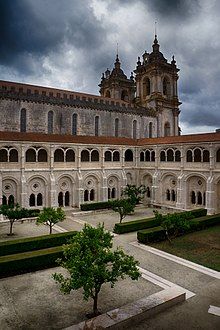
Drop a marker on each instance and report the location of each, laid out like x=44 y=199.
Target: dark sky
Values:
x=69 y=43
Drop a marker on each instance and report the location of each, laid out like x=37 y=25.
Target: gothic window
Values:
x=150 y=130
x=193 y=197
x=74 y=124
x=109 y=193
x=67 y=198
x=92 y=195
x=166 y=86
x=84 y=156
x=162 y=156
x=86 y=195
x=170 y=156
x=199 y=198
x=60 y=199
x=4 y=200
x=173 y=195
x=147 y=156
x=39 y=199
x=146 y=87
x=189 y=156
x=113 y=195
x=167 y=129
x=197 y=155
x=58 y=155
x=108 y=156
x=32 y=200
x=30 y=155
x=94 y=156
x=206 y=156
x=129 y=155
x=153 y=156
x=42 y=156
x=218 y=156
x=177 y=156
x=116 y=127
x=168 y=194
x=134 y=132
x=23 y=120
x=142 y=156
x=96 y=125
x=13 y=156
x=70 y=155
x=116 y=156
x=50 y=122
x=3 y=155
x=11 y=201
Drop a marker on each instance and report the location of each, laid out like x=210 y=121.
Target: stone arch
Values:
x=42 y=155
x=116 y=156
x=169 y=188
x=91 y=185
x=147 y=181
x=10 y=188
x=108 y=156
x=128 y=155
x=3 y=155
x=65 y=191
x=31 y=155
x=37 y=185
x=85 y=155
x=70 y=155
x=13 y=155
x=58 y=155
x=196 y=190
x=94 y=155
x=113 y=183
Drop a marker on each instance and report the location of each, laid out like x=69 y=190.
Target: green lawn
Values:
x=202 y=247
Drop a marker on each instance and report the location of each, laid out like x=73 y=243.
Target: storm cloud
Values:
x=69 y=43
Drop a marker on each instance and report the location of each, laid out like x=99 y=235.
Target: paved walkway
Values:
x=202 y=286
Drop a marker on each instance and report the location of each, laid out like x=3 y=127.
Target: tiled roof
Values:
x=108 y=140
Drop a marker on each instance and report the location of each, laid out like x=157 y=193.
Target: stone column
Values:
x=210 y=195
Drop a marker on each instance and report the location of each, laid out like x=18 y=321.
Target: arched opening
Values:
x=168 y=195
x=204 y=198
x=74 y=124
x=23 y=120
x=148 y=192
x=39 y=199
x=13 y=156
x=32 y=200
x=67 y=198
x=60 y=199
x=96 y=125
x=153 y=156
x=11 y=201
x=166 y=86
x=218 y=156
x=197 y=155
x=189 y=156
x=4 y=200
x=84 y=156
x=58 y=156
x=129 y=155
x=108 y=156
x=167 y=129
x=113 y=193
x=206 y=156
x=116 y=127
x=116 y=156
x=70 y=155
x=50 y=122
x=147 y=155
x=124 y=95
x=150 y=130
x=42 y=155
x=92 y=195
x=193 y=197
x=3 y=156
x=173 y=195
x=177 y=156
x=30 y=156
x=134 y=129
x=107 y=93
x=86 y=195
x=170 y=155
x=146 y=87
x=162 y=156
x=142 y=156
x=199 y=198
x=94 y=156
x=109 y=193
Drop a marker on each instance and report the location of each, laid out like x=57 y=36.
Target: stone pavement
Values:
x=49 y=303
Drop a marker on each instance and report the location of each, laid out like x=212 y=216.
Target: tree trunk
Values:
x=95 y=304
x=167 y=235
x=11 y=224
x=51 y=228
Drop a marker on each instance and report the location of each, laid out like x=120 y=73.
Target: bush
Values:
x=129 y=226
x=34 y=243
x=158 y=233
x=29 y=261
x=95 y=206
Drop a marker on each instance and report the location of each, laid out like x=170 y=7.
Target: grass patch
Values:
x=202 y=247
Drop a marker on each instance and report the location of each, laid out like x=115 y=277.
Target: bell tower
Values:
x=156 y=87
x=115 y=84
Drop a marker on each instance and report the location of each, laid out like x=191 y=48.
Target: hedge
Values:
x=34 y=243
x=95 y=206
x=158 y=234
x=126 y=227
x=29 y=261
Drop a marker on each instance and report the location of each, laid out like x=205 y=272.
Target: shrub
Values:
x=34 y=243
x=29 y=261
x=205 y=222
x=95 y=206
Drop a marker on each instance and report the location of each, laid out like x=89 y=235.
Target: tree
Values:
x=13 y=214
x=50 y=216
x=123 y=207
x=134 y=193
x=91 y=263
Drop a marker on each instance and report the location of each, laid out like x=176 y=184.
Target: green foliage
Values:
x=50 y=216
x=13 y=213
x=29 y=261
x=155 y=234
x=95 y=206
x=134 y=193
x=123 y=207
x=34 y=243
x=91 y=263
